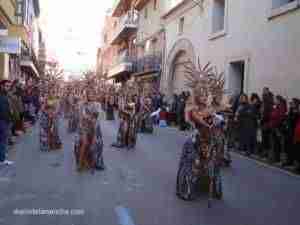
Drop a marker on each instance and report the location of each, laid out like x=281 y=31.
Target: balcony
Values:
x=122 y=66
x=148 y=64
x=127 y=25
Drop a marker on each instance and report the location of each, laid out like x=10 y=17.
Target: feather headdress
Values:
x=204 y=81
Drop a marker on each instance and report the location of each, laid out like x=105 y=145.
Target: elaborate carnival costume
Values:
x=110 y=108
x=73 y=122
x=127 y=132
x=145 y=119
x=49 y=136
x=201 y=159
x=88 y=148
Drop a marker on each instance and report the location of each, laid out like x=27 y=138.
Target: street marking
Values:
x=267 y=166
x=124 y=216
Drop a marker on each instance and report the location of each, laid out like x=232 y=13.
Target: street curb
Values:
x=262 y=164
x=267 y=165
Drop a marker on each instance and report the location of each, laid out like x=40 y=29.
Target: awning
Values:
x=29 y=64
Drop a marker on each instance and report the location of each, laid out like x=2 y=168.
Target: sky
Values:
x=72 y=30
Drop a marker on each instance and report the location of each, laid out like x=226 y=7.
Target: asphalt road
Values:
x=138 y=187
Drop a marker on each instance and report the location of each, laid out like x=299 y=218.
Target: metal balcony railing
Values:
x=148 y=63
x=126 y=25
x=123 y=57
x=123 y=63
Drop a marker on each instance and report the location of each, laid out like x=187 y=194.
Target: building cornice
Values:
x=175 y=9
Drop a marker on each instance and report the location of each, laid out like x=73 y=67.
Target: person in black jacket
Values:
x=5 y=118
x=290 y=126
x=247 y=125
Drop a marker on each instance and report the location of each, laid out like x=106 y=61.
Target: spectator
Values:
x=247 y=125
x=5 y=118
x=174 y=106
x=267 y=106
x=180 y=112
x=255 y=104
x=296 y=145
x=291 y=123
x=275 y=125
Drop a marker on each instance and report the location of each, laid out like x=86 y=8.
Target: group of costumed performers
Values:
x=203 y=153
x=49 y=119
x=88 y=147
x=128 y=128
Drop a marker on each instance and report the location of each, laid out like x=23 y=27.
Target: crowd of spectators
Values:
x=19 y=106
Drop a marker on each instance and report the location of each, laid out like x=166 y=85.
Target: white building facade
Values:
x=256 y=43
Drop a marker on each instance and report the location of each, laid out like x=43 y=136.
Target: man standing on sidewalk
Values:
x=5 y=118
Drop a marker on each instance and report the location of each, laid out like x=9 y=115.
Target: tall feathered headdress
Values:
x=205 y=81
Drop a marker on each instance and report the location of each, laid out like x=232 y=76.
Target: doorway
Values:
x=236 y=76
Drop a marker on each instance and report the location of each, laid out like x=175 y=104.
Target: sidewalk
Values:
x=8 y=171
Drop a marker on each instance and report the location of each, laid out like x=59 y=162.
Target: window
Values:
x=154 y=4
x=279 y=3
x=146 y=13
x=218 y=16
x=181 y=25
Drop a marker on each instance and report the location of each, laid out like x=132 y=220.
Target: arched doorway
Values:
x=181 y=53
x=178 y=80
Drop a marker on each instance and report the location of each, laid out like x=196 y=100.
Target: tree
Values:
x=53 y=76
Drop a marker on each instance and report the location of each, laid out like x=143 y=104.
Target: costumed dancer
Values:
x=127 y=132
x=49 y=136
x=146 y=121
x=110 y=107
x=201 y=159
x=73 y=122
x=88 y=147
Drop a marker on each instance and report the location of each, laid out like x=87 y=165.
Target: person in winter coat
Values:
x=247 y=125
x=275 y=125
x=267 y=106
x=5 y=119
x=290 y=126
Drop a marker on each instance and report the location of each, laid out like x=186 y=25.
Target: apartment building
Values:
x=9 y=46
x=150 y=44
x=256 y=43
x=122 y=38
x=107 y=53
x=19 y=37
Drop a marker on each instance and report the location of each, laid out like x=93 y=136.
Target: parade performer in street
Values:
x=110 y=107
x=199 y=167
x=146 y=121
x=127 y=132
x=88 y=147
x=73 y=122
x=49 y=136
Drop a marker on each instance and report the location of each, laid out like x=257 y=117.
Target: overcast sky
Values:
x=72 y=27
